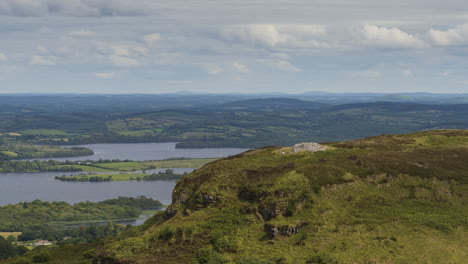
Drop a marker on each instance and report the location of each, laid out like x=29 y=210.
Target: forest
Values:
x=18 y=217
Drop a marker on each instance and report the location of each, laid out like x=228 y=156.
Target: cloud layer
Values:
x=256 y=45
x=91 y=8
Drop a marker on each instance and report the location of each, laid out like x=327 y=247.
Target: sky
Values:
x=219 y=46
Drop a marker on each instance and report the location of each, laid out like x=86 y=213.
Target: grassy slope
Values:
x=387 y=199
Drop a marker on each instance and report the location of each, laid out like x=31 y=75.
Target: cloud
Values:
x=41 y=49
x=8 y=68
x=123 y=61
x=286 y=66
x=105 y=75
x=41 y=60
x=43 y=30
x=91 y=8
x=214 y=69
x=454 y=36
x=367 y=74
x=391 y=38
x=82 y=33
x=407 y=73
x=276 y=35
x=444 y=73
x=151 y=39
x=3 y=57
x=240 y=67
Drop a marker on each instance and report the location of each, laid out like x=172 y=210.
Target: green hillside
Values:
x=386 y=199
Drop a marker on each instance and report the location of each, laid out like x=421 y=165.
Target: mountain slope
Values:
x=376 y=200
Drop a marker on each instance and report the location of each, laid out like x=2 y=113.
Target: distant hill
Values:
x=268 y=104
x=385 y=199
x=400 y=106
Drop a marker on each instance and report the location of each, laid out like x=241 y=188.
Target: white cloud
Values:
x=41 y=49
x=454 y=36
x=286 y=66
x=240 y=67
x=82 y=33
x=367 y=74
x=41 y=60
x=407 y=73
x=105 y=75
x=127 y=50
x=151 y=39
x=214 y=69
x=444 y=73
x=282 y=56
x=123 y=61
x=3 y=57
x=277 y=35
x=44 y=30
x=388 y=38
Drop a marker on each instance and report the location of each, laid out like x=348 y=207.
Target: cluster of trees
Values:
x=141 y=202
x=9 y=250
x=18 y=217
x=17 y=150
x=34 y=166
x=166 y=175
x=71 y=235
x=84 y=178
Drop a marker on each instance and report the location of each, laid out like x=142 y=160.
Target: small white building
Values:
x=42 y=243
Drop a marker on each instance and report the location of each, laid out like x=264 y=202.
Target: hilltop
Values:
x=384 y=199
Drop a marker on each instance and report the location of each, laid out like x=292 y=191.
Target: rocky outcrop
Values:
x=308 y=146
x=283 y=230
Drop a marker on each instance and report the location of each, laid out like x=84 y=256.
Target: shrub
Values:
x=22 y=261
x=41 y=258
x=89 y=254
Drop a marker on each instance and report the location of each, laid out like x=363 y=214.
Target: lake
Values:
x=20 y=187
x=149 y=151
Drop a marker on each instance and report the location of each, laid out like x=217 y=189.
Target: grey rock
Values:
x=308 y=146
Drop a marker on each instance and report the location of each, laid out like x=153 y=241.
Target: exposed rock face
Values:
x=170 y=211
x=308 y=146
x=283 y=230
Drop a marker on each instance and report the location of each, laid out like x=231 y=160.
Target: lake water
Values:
x=149 y=151
x=21 y=187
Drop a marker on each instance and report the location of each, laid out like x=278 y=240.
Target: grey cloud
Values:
x=92 y=8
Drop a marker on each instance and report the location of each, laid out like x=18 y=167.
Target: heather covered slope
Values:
x=386 y=199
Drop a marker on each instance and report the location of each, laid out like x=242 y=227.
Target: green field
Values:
x=45 y=132
x=10 y=154
x=146 y=165
x=7 y=234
